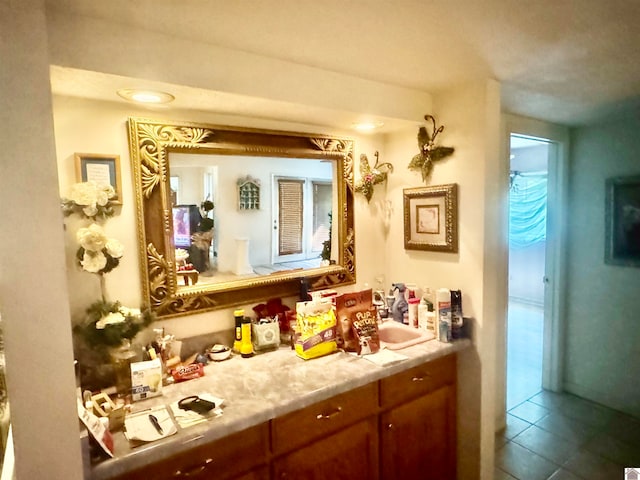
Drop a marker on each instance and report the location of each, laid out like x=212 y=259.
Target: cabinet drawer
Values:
x=303 y=426
x=226 y=458
x=417 y=381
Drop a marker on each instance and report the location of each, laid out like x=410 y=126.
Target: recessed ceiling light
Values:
x=367 y=126
x=145 y=96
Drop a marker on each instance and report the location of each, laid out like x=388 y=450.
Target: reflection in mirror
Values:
x=228 y=216
x=268 y=215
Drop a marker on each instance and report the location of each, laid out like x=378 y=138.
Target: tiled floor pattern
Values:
x=554 y=436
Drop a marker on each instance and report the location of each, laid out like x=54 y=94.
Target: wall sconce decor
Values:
x=370 y=177
x=429 y=152
x=248 y=193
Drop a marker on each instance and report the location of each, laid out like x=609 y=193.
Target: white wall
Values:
x=33 y=289
x=603 y=335
x=471 y=117
x=470 y=113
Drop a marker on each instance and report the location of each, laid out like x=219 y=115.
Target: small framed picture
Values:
x=622 y=221
x=102 y=169
x=431 y=218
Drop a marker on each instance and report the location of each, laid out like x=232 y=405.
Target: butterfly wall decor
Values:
x=429 y=152
x=372 y=176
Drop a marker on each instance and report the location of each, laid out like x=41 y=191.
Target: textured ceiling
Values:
x=564 y=61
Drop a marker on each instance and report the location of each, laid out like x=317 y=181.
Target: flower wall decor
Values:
x=97 y=252
x=369 y=177
x=89 y=200
x=429 y=152
x=106 y=323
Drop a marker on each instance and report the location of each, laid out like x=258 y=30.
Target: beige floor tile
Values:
x=547 y=445
x=567 y=428
x=591 y=466
x=523 y=463
x=529 y=412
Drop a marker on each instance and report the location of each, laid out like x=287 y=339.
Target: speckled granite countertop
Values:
x=258 y=389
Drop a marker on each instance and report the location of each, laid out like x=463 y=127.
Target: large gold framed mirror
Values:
x=229 y=216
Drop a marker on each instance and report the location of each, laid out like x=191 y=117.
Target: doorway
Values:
x=528 y=194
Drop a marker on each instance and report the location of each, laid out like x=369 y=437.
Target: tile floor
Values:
x=563 y=437
x=551 y=436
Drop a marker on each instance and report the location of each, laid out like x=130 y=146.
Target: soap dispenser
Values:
x=400 y=306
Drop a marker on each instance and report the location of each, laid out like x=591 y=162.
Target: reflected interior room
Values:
x=202 y=275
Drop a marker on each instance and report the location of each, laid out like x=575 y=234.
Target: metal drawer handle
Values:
x=193 y=471
x=328 y=416
x=422 y=378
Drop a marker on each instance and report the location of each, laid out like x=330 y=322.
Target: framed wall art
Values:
x=102 y=169
x=431 y=218
x=622 y=221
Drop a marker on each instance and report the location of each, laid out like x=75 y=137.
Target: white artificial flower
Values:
x=110 y=319
x=92 y=238
x=90 y=210
x=93 y=262
x=114 y=248
x=84 y=193
x=130 y=312
x=103 y=194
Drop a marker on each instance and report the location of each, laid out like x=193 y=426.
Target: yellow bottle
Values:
x=238 y=315
x=246 y=347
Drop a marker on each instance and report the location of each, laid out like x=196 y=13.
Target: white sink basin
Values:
x=396 y=336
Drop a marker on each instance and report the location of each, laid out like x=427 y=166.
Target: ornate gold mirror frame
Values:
x=151 y=142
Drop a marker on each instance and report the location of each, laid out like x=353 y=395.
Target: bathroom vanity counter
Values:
x=258 y=390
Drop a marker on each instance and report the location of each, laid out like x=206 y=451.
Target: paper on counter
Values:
x=384 y=357
x=187 y=418
x=138 y=427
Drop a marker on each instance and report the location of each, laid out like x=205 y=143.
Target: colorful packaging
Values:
x=193 y=370
x=365 y=330
x=146 y=379
x=347 y=305
x=316 y=329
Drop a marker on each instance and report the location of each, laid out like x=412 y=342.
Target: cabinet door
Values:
x=418 y=438
x=349 y=454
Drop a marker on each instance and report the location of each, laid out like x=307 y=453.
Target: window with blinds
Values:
x=291 y=213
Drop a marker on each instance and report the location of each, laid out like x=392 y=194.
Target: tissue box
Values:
x=146 y=379
x=265 y=335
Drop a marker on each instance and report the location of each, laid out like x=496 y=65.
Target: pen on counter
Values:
x=155 y=423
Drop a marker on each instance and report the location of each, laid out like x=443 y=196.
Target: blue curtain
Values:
x=527 y=210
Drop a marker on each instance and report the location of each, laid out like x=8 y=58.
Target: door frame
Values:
x=555 y=261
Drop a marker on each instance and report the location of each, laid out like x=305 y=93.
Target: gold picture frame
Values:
x=100 y=168
x=431 y=218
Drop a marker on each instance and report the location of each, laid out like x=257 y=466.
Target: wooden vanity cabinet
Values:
x=418 y=422
x=240 y=456
x=400 y=427
x=336 y=438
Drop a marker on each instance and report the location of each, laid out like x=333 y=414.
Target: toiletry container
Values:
x=443 y=315
x=413 y=311
x=456 y=313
